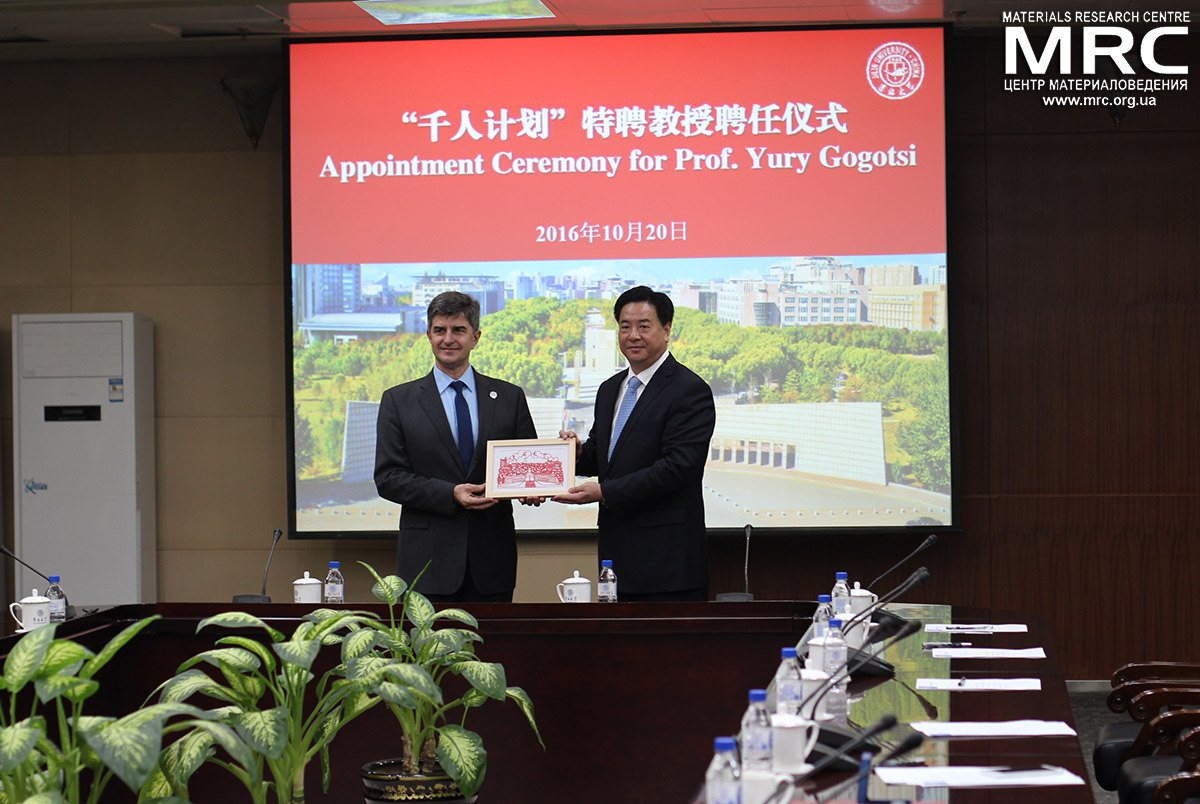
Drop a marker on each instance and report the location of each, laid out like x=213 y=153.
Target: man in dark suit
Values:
x=430 y=457
x=647 y=450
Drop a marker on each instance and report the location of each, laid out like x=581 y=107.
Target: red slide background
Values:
x=348 y=102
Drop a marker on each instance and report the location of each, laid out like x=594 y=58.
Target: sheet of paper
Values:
x=994 y=728
x=978 y=776
x=989 y=653
x=976 y=628
x=963 y=684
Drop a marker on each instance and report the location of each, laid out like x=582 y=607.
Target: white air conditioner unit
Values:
x=83 y=455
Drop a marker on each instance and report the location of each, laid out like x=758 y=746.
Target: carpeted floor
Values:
x=1090 y=713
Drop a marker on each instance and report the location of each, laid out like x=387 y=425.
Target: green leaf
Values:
x=252 y=645
x=228 y=739
x=358 y=643
x=300 y=653
x=72 y=688
x=129 y=746
x=367 y=671
x=487 y=677
x=165 y=800
x=190 y=682
x=418 y=609
x=238 y=658
x=433 y=645
x=238 y=619
x=265 y=732
x=398 y=695
x=526 y=704
x=416 y=678
x=26 y=658
x=356 y=703
x=62 y=654
x=46 y=796
x=184 y=757
x=389 y=589
x=458 y=615
x=473 y=698
x=93 y=665
x=248 y=688
x=16 y=744
x=461 y=754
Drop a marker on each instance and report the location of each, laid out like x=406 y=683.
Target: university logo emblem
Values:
x=895 y=70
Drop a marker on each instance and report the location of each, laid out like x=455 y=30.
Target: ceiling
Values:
x=54 y=29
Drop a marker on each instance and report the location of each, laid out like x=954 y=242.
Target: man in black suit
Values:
x=647 y=450
x=430 y=457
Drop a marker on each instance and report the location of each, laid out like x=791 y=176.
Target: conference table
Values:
x=628 y=697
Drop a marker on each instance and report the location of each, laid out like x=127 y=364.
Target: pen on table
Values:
x=932 y=645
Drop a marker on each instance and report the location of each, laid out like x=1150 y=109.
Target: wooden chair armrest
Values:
x=1138 y=670
x=1167 y=729
x=1177 y=789
x=1121 y=695
x=1149 y=703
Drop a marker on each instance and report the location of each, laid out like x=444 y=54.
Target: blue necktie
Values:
x=623 y=414
x=466 y=439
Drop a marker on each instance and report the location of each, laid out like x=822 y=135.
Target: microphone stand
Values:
x=741 y=597
x=66 y=600
x=930 y=541
x=883 y=724
x=264 y=597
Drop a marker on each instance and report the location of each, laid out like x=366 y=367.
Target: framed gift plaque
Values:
x=530 y=467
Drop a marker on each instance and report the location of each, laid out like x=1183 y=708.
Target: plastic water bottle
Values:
x=789 y=689
x=722 y=781
x=821 y=616
x=835 y=648
x=58 y=600
x=841 y=597
x=335 y=584
x=756 y=733
x=606 y=589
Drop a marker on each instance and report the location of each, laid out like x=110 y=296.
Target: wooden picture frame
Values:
x=529 y=467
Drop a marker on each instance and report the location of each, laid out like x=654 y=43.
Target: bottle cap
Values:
x=54 y=579
x=824 y=599
x=334 y=564
x=841 y=576
x=606 y=562
x=724 y=744
x=787 y=653
x=835 y=623
x=758 y=695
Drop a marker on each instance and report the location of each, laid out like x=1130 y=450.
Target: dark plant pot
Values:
x=385 y=781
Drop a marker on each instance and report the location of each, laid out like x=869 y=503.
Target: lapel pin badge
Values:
x=492 y=394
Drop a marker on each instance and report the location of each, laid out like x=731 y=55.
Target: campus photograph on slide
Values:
x=785 y=189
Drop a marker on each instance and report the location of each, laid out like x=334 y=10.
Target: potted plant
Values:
x=277 y=714
x=85 y=752
x=414 y=664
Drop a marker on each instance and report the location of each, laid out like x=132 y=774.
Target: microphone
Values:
x=741 y=597
x=4 y=549
x=264 y=597
x=833 y=736
x=930 y=541
x=909 y=743
x=883 y=724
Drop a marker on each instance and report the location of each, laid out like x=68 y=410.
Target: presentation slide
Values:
x=785 y=188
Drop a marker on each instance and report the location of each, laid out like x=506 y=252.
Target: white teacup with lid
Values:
x=860 y=600
x=306 y=589
x=575 y=590
x=35 y=611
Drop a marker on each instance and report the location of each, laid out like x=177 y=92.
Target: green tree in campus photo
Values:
x=927 y=438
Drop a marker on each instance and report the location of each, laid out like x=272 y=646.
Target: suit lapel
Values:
x=431 y=403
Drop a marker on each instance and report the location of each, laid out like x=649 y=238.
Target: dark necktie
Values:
x=466 y=439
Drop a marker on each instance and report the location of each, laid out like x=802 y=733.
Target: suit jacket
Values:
x=417 y=465
x=651 y=520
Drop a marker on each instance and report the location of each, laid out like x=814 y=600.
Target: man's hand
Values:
x=470 y=496
x=534 y=501
x=589 y=492
x=569 y=435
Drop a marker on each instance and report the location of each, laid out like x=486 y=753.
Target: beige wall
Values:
x=130 y=186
